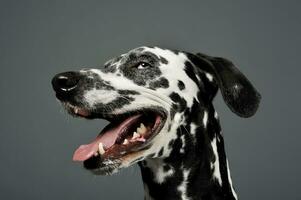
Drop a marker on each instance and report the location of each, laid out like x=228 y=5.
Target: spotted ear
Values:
x=237 y=91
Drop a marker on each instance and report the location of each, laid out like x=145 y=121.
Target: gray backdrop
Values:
x=41 y=38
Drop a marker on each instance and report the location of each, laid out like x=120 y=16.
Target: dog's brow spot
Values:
x=181 y=85
x=163 y=60
x=109 y=68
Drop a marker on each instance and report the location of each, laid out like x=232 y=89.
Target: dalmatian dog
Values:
x=159 y=105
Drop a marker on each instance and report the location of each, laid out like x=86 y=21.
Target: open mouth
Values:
x=126 y=133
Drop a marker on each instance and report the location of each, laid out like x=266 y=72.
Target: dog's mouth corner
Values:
x=127 y=133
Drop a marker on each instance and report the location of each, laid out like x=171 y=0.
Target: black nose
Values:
x=65 y=83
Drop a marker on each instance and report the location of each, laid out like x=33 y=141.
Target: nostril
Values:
x=65 y=82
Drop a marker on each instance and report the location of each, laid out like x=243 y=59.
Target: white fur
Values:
x=183 y=187
x=205 y=119
x=93 y=96
x=209 y=76
x=230 y=181
x=156 y=166
x=215 y=165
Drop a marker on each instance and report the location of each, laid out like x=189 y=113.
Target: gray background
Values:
x=41 y=38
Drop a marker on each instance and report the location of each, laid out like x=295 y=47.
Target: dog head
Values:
x=146 y=94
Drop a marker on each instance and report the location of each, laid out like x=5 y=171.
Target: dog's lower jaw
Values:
x=190 y=177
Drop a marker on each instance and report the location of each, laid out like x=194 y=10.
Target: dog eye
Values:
x=142 y=65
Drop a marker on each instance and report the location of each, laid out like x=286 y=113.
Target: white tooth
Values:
x=76 y=110
x=139 y=130
x=100 y=148
x=135 y=135
x=96 y=154
x=142 y=125
x=142 y=128
x=125 y=141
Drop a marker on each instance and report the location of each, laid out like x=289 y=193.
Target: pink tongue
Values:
x=107 y=138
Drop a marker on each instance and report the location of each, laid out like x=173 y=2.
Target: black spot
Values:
x=167 y=190
x=169 y=127
x=117 y=103
x=109 y=69
x=189 y=70
x=166 y=168
x=102 y=85
x=175 y=156
x=180 y=101
x=163 y=60
x=204 y=66
x=173 y=110
x=128 y=92
x=151 y=155
x=161 y=83
x=181 y=85
x=93 y=81
x=170 y=144
x=161 y=152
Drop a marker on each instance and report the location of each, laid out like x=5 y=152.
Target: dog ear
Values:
x=237 y=91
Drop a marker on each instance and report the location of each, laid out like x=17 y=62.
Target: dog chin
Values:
x=112 y=166
x=107 y=168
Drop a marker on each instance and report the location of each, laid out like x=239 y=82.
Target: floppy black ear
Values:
x=238 y=93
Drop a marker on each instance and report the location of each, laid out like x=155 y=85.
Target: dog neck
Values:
x=196 y=167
